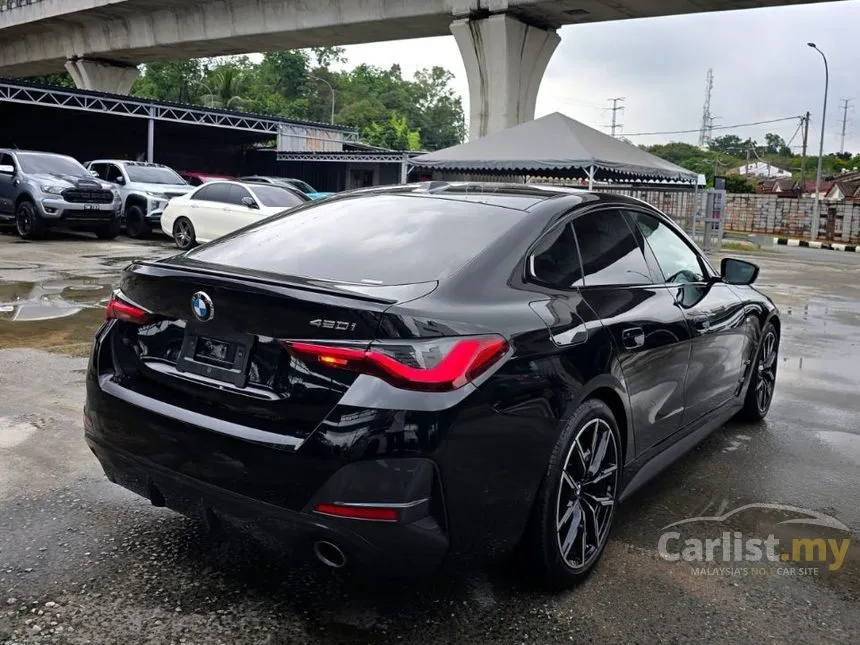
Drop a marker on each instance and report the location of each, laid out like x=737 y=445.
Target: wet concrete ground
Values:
x=83 y=561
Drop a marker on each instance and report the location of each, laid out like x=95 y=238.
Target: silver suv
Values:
x=41 y=190
x=145 y=189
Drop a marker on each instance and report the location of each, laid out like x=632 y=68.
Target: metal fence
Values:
x=6 y=5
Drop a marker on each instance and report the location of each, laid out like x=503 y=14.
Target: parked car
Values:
x=42 y=190
x=145 y=189
x=200 y=178
x=298 y=184
x=219 y=207
x=396 y=377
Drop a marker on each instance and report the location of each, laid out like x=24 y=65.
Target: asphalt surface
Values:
x=83 y=561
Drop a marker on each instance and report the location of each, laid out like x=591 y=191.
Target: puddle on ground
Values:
x=55 y=315
x=846 y=444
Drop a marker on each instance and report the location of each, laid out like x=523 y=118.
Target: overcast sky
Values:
x=762 y=70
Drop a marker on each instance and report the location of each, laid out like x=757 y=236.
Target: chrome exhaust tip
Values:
x=330 y=554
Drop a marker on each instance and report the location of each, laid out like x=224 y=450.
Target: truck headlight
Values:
x=52 y=189
x=161 y=197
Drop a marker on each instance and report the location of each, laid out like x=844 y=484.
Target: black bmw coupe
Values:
x=395 y=377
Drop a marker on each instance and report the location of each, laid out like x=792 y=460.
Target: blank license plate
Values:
x=224 y=359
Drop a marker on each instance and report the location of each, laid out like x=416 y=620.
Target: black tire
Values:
x=27 y=221
x=183 y=233
x=110 y=231
x=575 y=498
x=135 y=222
x=763 y=379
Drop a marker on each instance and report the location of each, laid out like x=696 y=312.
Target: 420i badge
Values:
x=339 y=325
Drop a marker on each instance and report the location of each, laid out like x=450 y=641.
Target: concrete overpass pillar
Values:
x=102 y=76
x=505 y=60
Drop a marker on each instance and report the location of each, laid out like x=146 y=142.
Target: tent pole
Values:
x=590 y=173
x=695 y=207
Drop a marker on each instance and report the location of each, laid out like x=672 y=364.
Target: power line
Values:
x=716 y=127
x=799 y=126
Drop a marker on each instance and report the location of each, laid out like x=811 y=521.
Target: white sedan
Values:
x=220 y=207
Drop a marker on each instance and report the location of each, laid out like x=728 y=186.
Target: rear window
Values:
x=378 y=239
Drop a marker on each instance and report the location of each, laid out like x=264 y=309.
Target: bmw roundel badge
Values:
x=202 y=307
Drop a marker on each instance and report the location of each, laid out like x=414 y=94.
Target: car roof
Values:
x=126 y=162
x=33 y=152
x=247 y=184
x=508 y=195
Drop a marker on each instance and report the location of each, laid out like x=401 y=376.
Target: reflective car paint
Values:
x=297 y=431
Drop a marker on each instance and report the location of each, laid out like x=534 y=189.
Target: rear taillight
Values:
x=437 y=365
x=119 y=309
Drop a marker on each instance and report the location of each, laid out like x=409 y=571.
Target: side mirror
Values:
x=120 y=180
x=94 y=173
x=7 y=170
x=249 y=202
x=736 y=271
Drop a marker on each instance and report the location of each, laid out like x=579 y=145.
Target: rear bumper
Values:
x=234 y=483
x=392 y=549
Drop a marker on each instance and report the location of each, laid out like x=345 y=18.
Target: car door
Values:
x=715 y=316
x=649 y=330
x=8 y=189
x=237 y=212
x=98 y=168
x=114 y=174
x=206 y=210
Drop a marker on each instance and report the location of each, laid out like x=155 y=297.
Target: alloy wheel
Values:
x=586 y=494
x=766 y=371
x=183 y=233
x=24 y=220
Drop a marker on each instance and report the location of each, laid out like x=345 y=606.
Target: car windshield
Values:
x=276 y=196
x=153 y=175
x=36 y=163
x=377 y=239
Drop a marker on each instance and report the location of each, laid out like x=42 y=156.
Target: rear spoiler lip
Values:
x=355 y=291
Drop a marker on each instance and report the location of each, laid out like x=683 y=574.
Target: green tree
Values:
x=179 y=81
x=394 y=133
x=730 y=144
x=439 y=115
x=229 y=83
x=296 y=84
x=326 y=56
x=739 y=184
x=775 y=145
x=61 y=79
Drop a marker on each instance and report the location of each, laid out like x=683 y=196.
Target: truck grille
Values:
x=81 y=196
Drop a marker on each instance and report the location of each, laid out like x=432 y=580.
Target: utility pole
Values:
x=804 y=121
x=845 y=104
x=615 y=126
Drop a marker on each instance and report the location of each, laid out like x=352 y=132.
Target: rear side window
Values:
x=610 y=251
x=237 y=194
x=376 y=239
x=555 y=260
x=214 y=193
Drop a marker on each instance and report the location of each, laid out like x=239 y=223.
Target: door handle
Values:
x=633 y=337
x=702 y=323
